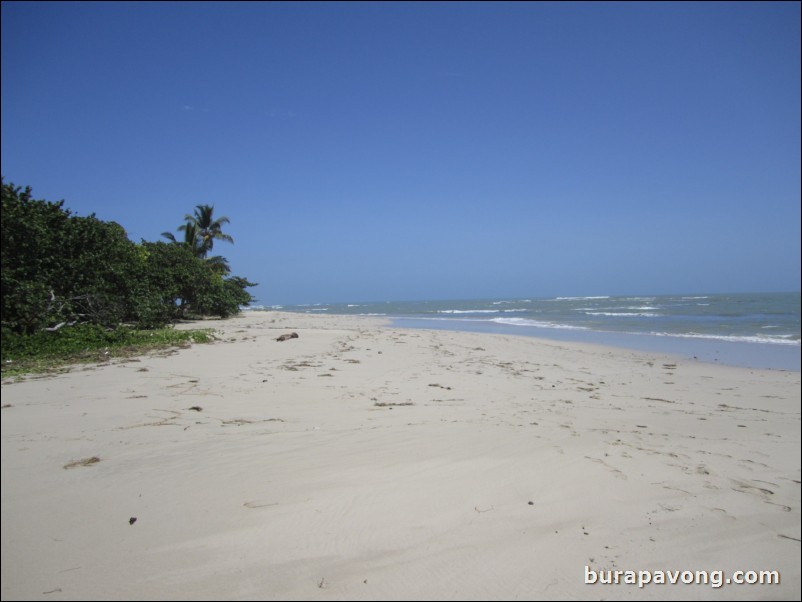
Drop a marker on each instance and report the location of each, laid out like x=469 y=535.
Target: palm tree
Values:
x=191 y=239
x=219 y=265
x=208 y=229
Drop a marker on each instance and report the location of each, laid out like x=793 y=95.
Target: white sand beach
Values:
x=359 y=461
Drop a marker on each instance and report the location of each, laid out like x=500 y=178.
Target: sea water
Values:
x=760 y=330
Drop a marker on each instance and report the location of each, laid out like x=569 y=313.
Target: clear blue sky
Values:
x=425 y=150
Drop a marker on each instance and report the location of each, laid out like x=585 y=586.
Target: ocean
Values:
x=759 y=330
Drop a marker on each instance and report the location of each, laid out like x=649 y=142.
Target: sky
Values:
x=403 y=151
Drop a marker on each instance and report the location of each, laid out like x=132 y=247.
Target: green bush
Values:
x=58 y=269
x=61 y=268
x=46 y=349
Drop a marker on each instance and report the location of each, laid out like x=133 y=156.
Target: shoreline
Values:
x=364 y=461
x=761 y=356
x=757 y=330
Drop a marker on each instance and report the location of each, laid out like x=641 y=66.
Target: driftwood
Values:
x=287 y=337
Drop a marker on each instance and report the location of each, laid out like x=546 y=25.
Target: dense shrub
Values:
x=58 y=268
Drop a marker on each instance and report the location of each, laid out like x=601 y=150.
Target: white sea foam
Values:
x=260 y=307
x=687 y=298
x=535 y=323
x=257 y=308
x=786 y=339
x=507 y=321
x=579 y=298
x=617 y=307
x=622 y=314
x=468 y=311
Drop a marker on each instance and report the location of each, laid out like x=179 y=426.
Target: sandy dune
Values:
x=363 y=462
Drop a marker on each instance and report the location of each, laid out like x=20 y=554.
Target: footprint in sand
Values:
x=742 y=487
x=259 y=504
x=723 y=513
x=613 y=469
